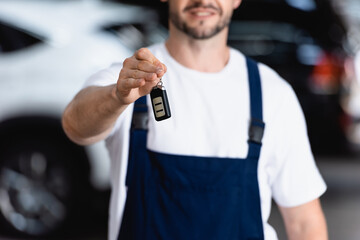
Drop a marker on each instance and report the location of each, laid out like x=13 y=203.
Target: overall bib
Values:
x=173 y=197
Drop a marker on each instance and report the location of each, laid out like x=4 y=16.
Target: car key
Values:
x=160 y=102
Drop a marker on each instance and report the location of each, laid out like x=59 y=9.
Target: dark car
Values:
x=305 y=41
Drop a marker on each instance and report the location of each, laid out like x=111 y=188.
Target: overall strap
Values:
x=138 y=133
x=137 y=173
x=256 y=128
x=140 y=116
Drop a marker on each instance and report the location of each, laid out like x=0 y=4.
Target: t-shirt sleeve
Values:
x=298 y=180
x=104 y=77
x=107 y=77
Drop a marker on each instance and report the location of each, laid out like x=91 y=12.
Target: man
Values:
x=202 y=176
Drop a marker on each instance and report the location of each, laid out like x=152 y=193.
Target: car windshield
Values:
x=268 y=39
x=305 y=5
x=322 y=23
x=136 y=35
x=13 y=39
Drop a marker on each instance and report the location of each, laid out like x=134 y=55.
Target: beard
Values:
x=196 y=32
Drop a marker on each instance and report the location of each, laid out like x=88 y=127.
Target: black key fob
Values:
x=160 y=103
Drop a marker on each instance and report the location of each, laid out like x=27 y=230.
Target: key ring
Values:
x=160 y=83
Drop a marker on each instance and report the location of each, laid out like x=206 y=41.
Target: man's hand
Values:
x=140 y=73
x=91 y=115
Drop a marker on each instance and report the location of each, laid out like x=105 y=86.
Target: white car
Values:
x=47 y=50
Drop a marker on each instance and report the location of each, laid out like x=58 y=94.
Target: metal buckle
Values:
x=256 y=131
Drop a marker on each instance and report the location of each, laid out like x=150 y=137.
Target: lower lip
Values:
x=201 y=17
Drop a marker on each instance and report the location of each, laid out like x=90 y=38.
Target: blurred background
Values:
x=53 y=189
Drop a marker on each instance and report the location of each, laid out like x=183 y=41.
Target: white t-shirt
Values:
x=210 y=117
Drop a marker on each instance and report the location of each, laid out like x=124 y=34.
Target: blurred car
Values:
x=305 y=41
x=47 y=50
x=351 y=103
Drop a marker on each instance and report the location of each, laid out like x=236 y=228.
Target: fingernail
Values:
x=159 y=70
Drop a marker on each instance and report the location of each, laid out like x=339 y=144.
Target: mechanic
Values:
x=236 y=139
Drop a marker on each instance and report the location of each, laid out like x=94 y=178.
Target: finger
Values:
x=146 y=55
x=148 y=86
x=164 y=67
x=162 y=70
x=140 y=74
x=146 y=66
x=130 y=83
x=137 y=74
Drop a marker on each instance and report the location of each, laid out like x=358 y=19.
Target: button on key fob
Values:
x=160 y=103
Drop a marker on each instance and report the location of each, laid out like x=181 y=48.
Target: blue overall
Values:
x=173 y=197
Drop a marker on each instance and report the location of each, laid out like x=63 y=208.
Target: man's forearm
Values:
x=305 y=222
x=317 y=231
x=90 y=116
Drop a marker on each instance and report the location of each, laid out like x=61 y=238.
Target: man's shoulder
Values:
x=272 y=80
x=156 y=47
x=105 y=76
x=269 y=76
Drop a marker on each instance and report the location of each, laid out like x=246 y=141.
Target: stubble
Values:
x=196 y=32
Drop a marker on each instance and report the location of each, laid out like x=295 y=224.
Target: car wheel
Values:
x=38 y=186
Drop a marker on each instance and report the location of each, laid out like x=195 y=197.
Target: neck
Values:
x=207 y=55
